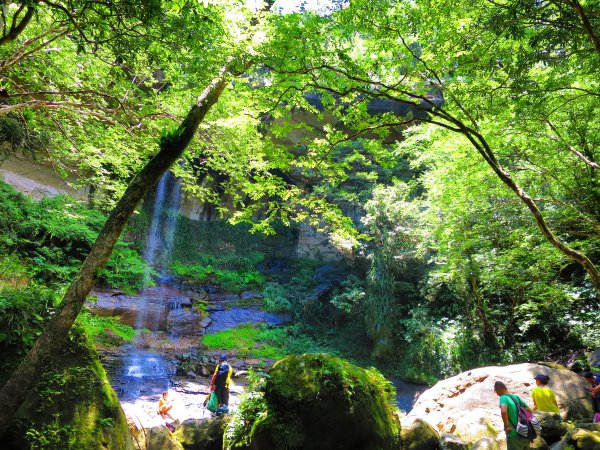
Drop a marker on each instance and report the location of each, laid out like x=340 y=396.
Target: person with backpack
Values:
x=543 y=397
x=510 y=416
x=220 y=383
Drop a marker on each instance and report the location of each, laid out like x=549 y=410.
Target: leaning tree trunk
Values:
x=581 y=258
x=53 y=337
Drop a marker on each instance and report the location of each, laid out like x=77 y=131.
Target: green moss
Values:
x=317 y=401
x=72 y=407
x=246 y=341
x=96 y=327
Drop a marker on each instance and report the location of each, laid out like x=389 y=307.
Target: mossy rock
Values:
x=201 y=434
x=584 y=439
x=73 y=406
x=320 y=402
x=420 y=436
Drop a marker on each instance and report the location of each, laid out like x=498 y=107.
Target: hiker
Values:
x=220 y=381
x=594 y=389
x=164 y=407
x=508 y=411
x=543 y=397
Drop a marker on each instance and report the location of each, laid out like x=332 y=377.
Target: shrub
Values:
x=274 y=298
x=23 y=312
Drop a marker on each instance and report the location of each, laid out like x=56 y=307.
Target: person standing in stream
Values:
x=220 y=381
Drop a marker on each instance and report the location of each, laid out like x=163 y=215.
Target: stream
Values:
x=140 y=371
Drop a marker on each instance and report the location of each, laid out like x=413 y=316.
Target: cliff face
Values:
x=39 y=180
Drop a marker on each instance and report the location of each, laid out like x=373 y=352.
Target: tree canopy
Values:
x=463 y=136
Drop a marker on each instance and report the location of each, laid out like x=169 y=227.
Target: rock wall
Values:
x=39 y=180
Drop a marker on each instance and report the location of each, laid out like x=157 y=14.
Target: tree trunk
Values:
x=487 y=330
x=52 y=339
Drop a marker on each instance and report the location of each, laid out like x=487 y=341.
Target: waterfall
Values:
x=160 y=238
x=163 y=223
x=144 y=370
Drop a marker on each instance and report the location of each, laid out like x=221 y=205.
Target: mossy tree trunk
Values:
x=56 y=332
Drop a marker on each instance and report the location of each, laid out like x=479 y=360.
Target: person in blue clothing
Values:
x=510 y=416
x=594 y=389
x=220 y=381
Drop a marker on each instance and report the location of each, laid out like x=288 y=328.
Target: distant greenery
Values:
x=47 y=240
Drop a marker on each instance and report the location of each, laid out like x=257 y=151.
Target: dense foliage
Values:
x=46 y=241
x=450 y=150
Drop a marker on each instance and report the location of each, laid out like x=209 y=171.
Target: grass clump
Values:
x=95 y=327
x=261 y=341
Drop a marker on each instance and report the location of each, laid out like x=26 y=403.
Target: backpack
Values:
x=222 y=373
x=527 y=426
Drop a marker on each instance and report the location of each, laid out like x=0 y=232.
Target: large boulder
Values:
x=553 y=427
x=584 y=439
x=72 y=406
x=202 y=434
x=466 y=405
x=449 y=441
x=159 y=438
x=317 y=402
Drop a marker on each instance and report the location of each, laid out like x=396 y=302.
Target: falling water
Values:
x=161 y=234
x=147 y=373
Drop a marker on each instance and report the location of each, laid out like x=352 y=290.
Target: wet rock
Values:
x=184 y=322
x=250 y=295
x=224 y=298
x=237 y=315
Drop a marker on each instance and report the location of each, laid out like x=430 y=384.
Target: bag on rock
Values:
x=527 y=426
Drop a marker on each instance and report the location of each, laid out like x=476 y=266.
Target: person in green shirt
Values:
x=510 y=417
x=543 y=397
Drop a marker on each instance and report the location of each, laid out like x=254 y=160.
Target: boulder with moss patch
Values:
x=317 y=402
x=73 y=406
